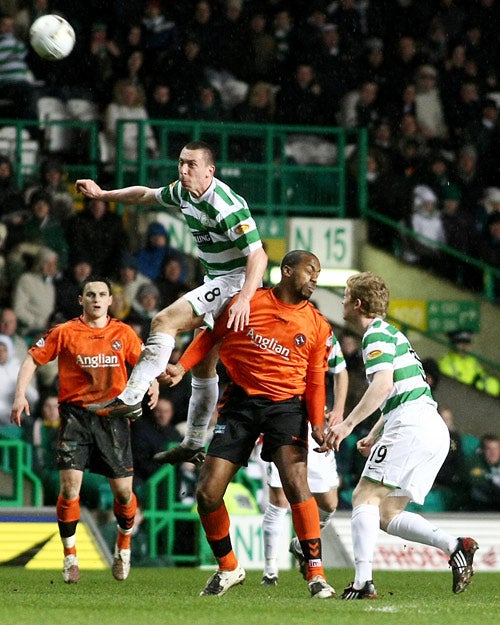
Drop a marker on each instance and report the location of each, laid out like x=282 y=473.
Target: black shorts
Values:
x=242 y=419
x=100 y=444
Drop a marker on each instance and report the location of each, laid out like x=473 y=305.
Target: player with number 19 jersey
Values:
x=384 y=347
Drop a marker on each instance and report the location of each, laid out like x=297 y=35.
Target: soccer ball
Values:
x=52 y=37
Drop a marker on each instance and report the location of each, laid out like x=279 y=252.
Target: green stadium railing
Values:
x=26 y=169
x=491 y=275
x=163 y=516
x=16 y=469
x=269 y=177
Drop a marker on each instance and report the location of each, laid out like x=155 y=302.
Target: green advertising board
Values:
x=448 y=316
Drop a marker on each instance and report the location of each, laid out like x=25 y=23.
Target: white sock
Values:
x=202 y=403
x=411 y=526
x=365 y=525
x=152 y=362
x=272 y=530
x=324 y=517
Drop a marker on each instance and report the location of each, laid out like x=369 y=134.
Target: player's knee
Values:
x=207 y=501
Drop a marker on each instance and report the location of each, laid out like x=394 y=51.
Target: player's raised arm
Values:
x=136 y=194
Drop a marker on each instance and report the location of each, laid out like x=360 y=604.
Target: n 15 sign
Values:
x=331 y=240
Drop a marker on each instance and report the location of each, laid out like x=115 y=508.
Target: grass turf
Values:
x=154 y=596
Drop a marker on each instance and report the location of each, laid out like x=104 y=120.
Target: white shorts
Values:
x=322 y=473
x=213 y=295
x=413 y=446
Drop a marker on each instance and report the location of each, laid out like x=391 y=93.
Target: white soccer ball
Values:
x=52 y=37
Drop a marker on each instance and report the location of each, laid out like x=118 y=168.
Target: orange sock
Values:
x=216 y=526
x=68 y=515
x=125 y=515
x=305 y=517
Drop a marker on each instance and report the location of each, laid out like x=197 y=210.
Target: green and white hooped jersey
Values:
x=220 y=222
x=385 y=347
x=336 y=360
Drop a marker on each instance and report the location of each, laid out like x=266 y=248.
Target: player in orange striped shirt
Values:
x=277 y=364
x=93 y=351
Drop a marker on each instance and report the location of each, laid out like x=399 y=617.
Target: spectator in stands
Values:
x=487 y=206
x=170 y=283
x=427 y=225
x=300 y=101
x=146 y=305
x=186 y=74
x=452 y=475
x=9 y=369
x=44 y=440
x=161 y=104
x=429 y=110
x=484 y=476
x=258 y=108
x=207 y=104
x=131 y=279
x=458 y=363
x=52 y=181
x=150 y=435
x=468 y=177
x=101 y=228
x=435 y=173
x=150 y=257
x=351 y=348
x=68 y=287
x=129 y=103
x=403 y=63
x=261 y=47
x=334 y=70
x=8 y=327
x=120 y=306
x=160 y=34
x=201 y=28
x=43 y=229
x=230 y=43
x=135 y=70
x=11 y=200
x=489 y=247
x=463 y=111
x=460 y=234
x=15 y=83
x=484 y=134
x=432 y=374
x=284 y=31
x=34 y=296
x=102 y=59
x=360 y=107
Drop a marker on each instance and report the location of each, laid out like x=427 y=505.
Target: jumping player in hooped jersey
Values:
x=405 y=448
x=231 y=252
x=93 y=351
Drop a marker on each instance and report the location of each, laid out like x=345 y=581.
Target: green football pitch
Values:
x=160 y=596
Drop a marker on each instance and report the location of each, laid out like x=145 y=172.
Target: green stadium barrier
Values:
x=16 y=466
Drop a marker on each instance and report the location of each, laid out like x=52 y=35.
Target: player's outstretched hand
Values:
x=172 y=376
x=89 y=188
x=239 y=314
x=19 y=406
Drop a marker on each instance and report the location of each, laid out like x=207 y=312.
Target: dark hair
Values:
x=106 y=281
x=207 y=149
x=295 y=258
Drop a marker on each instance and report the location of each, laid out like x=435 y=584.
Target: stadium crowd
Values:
x=421 y=76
